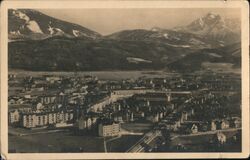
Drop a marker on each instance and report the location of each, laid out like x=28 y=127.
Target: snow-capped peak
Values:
x=212 y=15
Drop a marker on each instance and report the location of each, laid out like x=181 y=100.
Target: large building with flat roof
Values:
x=108 y=129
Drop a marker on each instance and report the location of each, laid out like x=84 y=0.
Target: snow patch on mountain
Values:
x=21 y=15
x=201 y=22
x=215 y=55
x=59 y=30
x=51 y=30
x=196 y=41
x=137 y=60
x=34 y=27
x=76 y=33
x=15 y=32
x=181 y=46
x=54 y=31
x=165 y=35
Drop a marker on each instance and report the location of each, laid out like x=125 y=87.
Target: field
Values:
x=55 y=143
x=137 y=127
x=123 y=143
x=200 y=143
x=221 y=67
x=105 y=75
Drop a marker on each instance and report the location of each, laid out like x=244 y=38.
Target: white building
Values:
x=107 y=130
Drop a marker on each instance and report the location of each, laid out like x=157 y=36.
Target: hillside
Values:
x=229 y=55
x=27 y=24
x=60 y=53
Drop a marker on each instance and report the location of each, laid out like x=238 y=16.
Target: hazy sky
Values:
x=107 y=21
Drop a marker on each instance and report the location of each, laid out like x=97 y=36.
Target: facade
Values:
x=224 y=124
x=154 y=97
x=14 y=117
x=153 y=118
x=184 y=116
x=221 y=138
x=171 y=126
x=213 y=126
x=107 y=130
x=47 y=99
x=86 y=122
x=194 y=129
x=31 y=120
x=235 y=122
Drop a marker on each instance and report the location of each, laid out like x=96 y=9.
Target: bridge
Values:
x=146 y=139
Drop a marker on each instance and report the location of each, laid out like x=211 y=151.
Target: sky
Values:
x=107 y=21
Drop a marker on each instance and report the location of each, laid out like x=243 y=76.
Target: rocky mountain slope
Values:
x=206 y=32
x=26 y=24
x=214 y=27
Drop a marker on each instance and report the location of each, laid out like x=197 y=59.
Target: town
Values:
x=159 y=114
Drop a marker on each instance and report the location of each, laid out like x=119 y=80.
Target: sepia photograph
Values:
x=125 y=79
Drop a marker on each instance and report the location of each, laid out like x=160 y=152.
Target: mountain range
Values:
x=40 y=42
x=26 y=24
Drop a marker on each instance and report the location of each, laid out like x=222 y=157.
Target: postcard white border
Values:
x=124 y=4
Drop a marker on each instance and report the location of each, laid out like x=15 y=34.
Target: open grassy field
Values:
x=123 y=143
x=137 y=127
x=55 y=143
x=200 y=143
x=204 y=138
x=221 y=67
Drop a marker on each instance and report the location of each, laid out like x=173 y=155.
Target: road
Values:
x=206 y=133
x=35 y=133
x=109 y=140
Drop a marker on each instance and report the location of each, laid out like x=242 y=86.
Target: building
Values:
x=130 y=92
x=47 y=99
x=61 y=98
x=52 y=118
x=224 y=124
x=171 y=126
x=34 y=119
x=29 y=120
x=213 y=126
x=184 y=116
x=108 y=129
x=86 y=122
x=153 y=117
x=154 y=97
x=189 y=128
x=194 y=129
x=235 y=122
x=14 y=116
x=220 y=138
x=118 y=117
